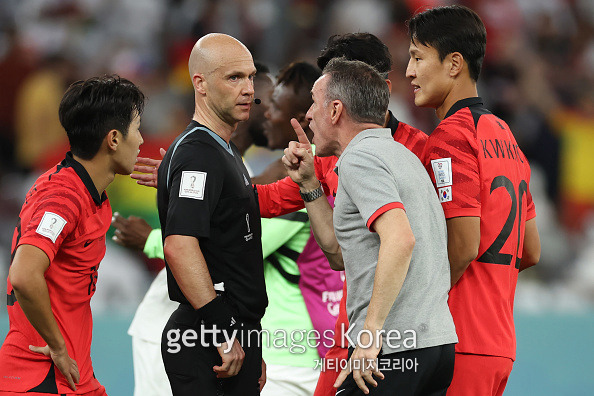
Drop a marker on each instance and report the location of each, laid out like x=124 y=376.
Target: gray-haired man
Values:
x=389 y=233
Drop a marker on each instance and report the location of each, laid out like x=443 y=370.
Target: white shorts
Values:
x=290 y=381
x=150 y=378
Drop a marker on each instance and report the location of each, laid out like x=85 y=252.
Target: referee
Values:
x=212 y=235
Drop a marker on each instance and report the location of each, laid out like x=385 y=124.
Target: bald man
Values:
x=211 y=234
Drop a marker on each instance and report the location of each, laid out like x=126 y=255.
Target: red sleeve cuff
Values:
x=382 y=210
x=46 y=246
x=530 y=215
x=462 y=212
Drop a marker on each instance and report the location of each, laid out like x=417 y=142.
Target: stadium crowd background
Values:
x=538 y=76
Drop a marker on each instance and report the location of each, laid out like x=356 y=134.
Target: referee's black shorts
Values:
x=417 y=372
x=190 y=368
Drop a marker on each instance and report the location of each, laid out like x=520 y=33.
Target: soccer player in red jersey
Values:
x=59 y=242
x=482 y=179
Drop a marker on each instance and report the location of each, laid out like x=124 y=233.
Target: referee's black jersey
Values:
x=204 y=191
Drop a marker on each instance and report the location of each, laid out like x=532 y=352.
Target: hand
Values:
x=63 y=362
x=149 y=168
x=232 y=360
x=262 y=379
x=131 y=232
x=363 y=364
x=298 y=160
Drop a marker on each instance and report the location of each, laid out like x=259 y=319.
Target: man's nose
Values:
x=249 y=87
x=410 y=73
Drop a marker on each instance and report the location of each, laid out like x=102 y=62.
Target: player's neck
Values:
x=99 y=171
x=459 y=91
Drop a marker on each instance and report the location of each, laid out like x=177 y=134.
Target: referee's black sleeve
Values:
x=195 y=184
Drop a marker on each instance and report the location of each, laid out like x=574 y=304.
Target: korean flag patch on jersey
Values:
x=51 y=225
x=445 y=194
x=442 y=169
x=192 y=184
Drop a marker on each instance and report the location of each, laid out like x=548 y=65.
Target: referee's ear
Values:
x=199 y=82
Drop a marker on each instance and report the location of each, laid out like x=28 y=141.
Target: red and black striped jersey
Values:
x=479 y=171
x=65 y=217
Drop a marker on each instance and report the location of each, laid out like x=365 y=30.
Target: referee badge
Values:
x=192 y=185
x=442 y=169
x=51 y=225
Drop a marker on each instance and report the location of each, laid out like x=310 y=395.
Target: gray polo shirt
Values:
x=377 y=174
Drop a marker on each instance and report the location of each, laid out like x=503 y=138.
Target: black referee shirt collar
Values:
x=468 y=102
x=392 y=123
x=215 y=136
x=70 y=162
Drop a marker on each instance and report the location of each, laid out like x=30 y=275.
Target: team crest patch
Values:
x=51 y=226
x=445 y=194
x=442 y=169
x=192 y=185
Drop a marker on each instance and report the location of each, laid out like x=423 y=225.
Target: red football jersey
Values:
x=283 y=196
x=64 y=216
x=479 y=170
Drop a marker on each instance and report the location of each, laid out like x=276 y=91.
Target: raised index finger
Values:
x=301 y=136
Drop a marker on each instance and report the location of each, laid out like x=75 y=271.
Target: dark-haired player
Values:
x=482 y=178
x=59 y=242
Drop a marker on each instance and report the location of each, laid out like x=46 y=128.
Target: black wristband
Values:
x=218 y=314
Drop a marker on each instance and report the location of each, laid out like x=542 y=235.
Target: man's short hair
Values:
x=364 y=47
x=300 y=76
x=451 y=29
x=90 y=109
x=261 y=69
x=361 y=89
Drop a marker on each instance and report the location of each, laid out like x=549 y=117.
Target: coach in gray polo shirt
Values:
x=387 y=231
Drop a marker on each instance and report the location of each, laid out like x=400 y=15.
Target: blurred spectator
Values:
x=39 y=134
x=15 y=65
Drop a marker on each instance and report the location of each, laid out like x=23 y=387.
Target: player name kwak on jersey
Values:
x=501 y=148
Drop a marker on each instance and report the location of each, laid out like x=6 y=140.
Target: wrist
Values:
x=374 y=328
x=311 y=191
x=57 y=348
x=309 y=185
x=218 y=314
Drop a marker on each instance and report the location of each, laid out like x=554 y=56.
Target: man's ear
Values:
x=113 y=139
x=199 y=83
x=336 y=112
x=389 y=84
x=456 y=63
